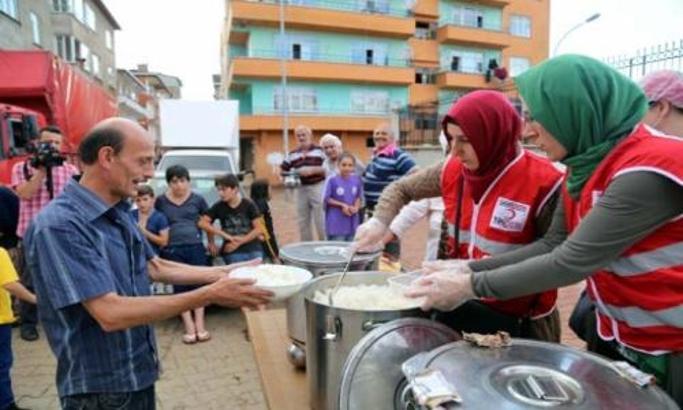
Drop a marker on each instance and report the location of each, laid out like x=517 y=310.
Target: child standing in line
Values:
x=154 y=226
x=239 y=222
x=183 y=208
x=152 y=223
x=9 y=283
x=342 y=201
x=260 y=195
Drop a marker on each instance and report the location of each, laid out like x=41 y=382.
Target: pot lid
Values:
x=372 y=376
x=323 y=253
x=531 y=374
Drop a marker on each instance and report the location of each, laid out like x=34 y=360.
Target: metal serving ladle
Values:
x=341 y=278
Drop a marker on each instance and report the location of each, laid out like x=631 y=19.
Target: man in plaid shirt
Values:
x=30 y=185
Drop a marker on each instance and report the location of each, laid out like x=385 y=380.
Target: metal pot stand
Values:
x=372 y=376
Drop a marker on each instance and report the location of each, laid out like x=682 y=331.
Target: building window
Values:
x=65 y=47
x=95 y=64
x=467 y=62
x=89 y=17
x=9 y=7
x=296 y=51
x=424 y=76
x=61 y=6
x=35 y=28
x=424 y=30
x=369 y=101
x=78 y=10
x=300 y=99
x=375 y=6
x=109 y=39
x=369 y=54
x=468 y=16
x=518 y=65
x=520 y=26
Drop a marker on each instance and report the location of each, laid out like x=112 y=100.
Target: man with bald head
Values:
x=306 y=161
x=92 y=271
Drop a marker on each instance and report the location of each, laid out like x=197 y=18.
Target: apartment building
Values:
x=79 y=31
x=350 y=64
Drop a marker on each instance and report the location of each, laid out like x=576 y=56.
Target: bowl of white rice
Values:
x=282 y=280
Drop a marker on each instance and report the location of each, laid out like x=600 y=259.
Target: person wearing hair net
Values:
x=486 y=211
x=618 y=225
x=664 y=92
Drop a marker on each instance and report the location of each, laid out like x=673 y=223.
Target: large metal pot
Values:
x=319 y=258
x=531 y=374
x=373 y=377
x=332 y=333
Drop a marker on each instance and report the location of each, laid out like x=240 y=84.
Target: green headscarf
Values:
x=586 y=105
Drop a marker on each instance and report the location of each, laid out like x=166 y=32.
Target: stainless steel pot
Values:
x=332 y=333
x=372 y=376
x=319 y=258
x=531 y=374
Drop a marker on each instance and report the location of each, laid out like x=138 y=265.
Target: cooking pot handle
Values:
x=369 y=325
x=333 y=328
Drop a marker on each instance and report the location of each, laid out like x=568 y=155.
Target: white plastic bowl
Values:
x=261 y=273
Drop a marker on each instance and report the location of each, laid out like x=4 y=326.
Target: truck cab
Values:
x=18 y=128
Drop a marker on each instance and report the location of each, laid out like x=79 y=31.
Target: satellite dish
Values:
x=409 y=4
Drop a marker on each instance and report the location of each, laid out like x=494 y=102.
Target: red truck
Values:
x=37 y=89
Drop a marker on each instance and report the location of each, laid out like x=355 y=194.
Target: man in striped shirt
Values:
x=306 y=161
x=388 y=164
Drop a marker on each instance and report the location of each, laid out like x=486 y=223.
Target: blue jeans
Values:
x=6 y=394
x=235 y=257
x=344 y=238
x=136 y=400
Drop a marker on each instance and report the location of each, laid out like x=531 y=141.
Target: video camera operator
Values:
x=37 y=180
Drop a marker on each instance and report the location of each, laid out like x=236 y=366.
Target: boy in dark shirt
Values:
x=239 y=222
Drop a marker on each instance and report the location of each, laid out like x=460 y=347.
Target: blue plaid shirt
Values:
x=79 y=248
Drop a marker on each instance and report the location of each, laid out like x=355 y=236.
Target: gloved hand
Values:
x=443 y=290
x=369 y=236
x=459 y=265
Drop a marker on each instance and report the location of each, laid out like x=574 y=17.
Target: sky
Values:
x=185 y=41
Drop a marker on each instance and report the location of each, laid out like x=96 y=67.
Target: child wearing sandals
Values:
x=183 y=209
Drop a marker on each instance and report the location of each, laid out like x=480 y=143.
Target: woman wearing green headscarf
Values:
x=618 y=225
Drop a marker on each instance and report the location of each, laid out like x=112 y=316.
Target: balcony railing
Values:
x=446 y=21
x=380 y=7
x=320 y=111
x=325 y=57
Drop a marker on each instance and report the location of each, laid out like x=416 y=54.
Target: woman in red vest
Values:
x=487 y=211
x=619 y=220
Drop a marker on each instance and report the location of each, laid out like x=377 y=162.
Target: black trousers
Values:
x=27 y=311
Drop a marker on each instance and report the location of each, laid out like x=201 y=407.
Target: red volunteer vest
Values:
x=639 y=295
x=504 y=220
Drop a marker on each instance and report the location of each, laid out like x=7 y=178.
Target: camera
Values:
x=46 y=155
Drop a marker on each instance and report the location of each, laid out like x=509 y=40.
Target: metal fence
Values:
x=637 y=65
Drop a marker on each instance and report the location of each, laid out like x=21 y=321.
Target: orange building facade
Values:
x=351 y=64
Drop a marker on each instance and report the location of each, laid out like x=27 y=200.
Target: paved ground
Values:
x=219 y=374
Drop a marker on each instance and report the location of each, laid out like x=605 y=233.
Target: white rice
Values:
x=275 y=275
x=367 y=297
